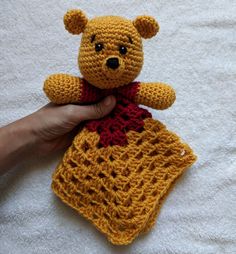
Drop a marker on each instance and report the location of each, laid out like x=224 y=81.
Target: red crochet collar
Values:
x=124 y=117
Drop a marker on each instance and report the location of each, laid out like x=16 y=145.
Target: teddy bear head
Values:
x=111 y=51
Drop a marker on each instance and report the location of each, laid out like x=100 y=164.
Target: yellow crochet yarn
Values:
x=119 y=169
x=120 y=189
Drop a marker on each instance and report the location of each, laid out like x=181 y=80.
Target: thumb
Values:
x=96 y=111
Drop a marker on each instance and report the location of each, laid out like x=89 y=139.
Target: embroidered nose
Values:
x=113 y=63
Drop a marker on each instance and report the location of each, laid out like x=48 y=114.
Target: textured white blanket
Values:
x=195 y=52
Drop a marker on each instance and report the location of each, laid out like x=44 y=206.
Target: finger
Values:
x=95 y=111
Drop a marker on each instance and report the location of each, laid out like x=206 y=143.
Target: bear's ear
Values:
x=147 y=26
x=75 y=21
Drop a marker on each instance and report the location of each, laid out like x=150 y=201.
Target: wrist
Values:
x=22 y=132
x=17 y=143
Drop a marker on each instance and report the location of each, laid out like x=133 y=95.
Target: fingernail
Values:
x=107 y=101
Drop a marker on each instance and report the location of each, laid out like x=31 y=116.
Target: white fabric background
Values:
x=195 y=52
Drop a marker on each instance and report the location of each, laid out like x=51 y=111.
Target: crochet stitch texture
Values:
x=119 y=169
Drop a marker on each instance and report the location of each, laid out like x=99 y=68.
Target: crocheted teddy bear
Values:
x=120 y=168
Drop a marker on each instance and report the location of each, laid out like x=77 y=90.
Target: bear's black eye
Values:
x=98 y=47
x=123 y=50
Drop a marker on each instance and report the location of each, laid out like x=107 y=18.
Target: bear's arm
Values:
x=155 y=95
x=64 y=88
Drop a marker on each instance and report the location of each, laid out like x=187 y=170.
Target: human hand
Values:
x=47 y=130
x=54 y=127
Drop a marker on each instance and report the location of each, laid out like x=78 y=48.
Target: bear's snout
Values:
x=113 y=67
x=113 y=63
